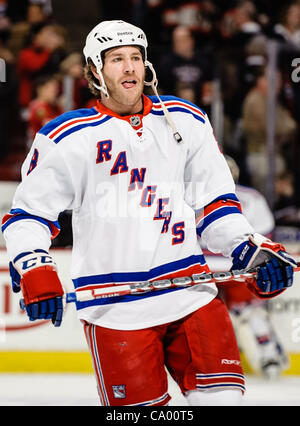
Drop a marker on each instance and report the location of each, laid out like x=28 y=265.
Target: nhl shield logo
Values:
x=135 y=120
x=119 y=391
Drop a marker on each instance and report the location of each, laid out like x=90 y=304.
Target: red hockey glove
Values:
x=40 y=285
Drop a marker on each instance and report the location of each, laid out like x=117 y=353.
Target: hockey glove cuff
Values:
x=273 y=264
x=35 y=274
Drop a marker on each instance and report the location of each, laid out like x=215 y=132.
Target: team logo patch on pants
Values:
x=198 y=354
x=119 y=391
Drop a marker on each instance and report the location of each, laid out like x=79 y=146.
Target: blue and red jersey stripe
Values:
x=71 y=122
x=18 y=214
x=224 y=205
x=175 y=104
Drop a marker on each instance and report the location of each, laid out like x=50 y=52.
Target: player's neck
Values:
x=122 y=109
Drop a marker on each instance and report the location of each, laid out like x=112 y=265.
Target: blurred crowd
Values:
x=212 y=53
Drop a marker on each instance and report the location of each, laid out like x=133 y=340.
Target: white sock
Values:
x=225 y=397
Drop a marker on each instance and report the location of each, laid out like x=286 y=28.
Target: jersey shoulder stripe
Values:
x=177 y=104
x=71 y=122
x=67 y=117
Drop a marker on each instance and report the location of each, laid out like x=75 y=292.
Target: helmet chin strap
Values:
x=153 y=83
x=101 y=87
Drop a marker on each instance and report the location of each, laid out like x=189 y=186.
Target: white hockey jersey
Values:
x=140 y=200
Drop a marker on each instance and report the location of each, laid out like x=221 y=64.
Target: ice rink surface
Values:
x=33 y=389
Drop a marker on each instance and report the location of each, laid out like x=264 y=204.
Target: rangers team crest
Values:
x=135 y=120
x=119 y=391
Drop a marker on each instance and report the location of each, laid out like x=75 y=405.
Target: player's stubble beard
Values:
x=122 y=101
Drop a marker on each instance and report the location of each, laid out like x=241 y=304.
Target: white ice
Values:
x=32 y=389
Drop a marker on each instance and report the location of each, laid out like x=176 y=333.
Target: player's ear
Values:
x=94 y=72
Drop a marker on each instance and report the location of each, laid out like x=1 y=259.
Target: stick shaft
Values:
x=147 y=286
x=139 y=288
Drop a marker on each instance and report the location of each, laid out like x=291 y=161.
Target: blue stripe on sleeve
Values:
x=213 y=216
x=226 y=197
x=20 y=214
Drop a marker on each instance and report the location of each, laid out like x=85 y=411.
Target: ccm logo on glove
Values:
x=34 y=262
x=35 y=274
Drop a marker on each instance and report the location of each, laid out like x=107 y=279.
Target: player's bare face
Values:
x=124 y=74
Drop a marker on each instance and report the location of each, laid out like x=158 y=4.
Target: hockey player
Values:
x=143 y=176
